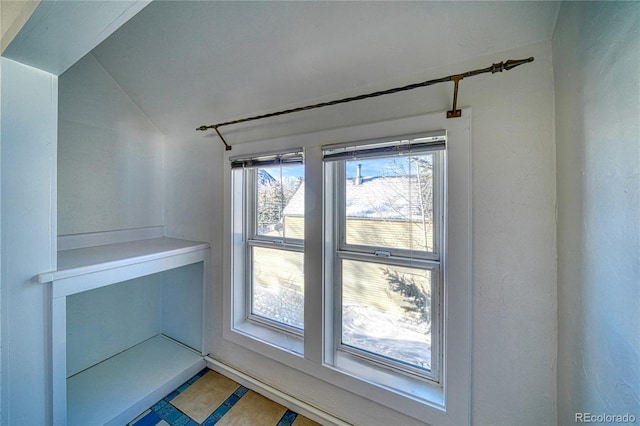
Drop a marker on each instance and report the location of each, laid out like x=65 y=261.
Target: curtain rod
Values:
x=494 y=68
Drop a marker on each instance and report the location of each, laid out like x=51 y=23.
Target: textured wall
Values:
x=514 y=306
x=514 y=257
x=596 y=51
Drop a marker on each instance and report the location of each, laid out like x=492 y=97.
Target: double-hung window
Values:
x=270 y=222
x=367 y=287
x=384 y=216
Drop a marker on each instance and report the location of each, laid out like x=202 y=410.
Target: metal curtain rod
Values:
x=499 y=67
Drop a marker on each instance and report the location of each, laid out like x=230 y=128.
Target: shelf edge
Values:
x=61 y=274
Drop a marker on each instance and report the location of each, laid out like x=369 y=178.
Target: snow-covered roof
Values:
x=382 y=197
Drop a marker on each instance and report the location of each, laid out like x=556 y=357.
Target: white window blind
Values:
x=270 y=159
x=386 y=147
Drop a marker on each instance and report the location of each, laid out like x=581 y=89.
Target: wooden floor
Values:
x=209 y=398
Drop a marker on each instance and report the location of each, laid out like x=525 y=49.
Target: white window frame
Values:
x=337 y=249
x=254 y=239
x=246 y=237
x=446 y=403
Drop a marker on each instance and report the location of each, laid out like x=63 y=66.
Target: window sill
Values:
x=415 y=388
x=414 y=397
x=265 y=340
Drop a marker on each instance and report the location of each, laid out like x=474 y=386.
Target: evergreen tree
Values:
x=415 y=295
x=273 y=196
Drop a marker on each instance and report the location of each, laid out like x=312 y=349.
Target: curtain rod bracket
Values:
x=227 y=147
x=455 y=113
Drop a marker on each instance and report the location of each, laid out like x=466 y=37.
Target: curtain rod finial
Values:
x=512 y=63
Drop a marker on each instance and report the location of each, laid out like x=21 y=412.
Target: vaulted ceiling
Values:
x=190 y=63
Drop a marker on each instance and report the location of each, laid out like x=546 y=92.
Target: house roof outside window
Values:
x=379 y=197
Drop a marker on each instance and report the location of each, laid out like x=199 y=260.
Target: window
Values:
x=385 y=242
x=271 y=219
x=354 y=266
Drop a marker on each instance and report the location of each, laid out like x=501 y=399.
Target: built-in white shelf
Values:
x=121 y=387
x=102 y=258
x=116 y=389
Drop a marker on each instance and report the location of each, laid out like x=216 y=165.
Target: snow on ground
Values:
x=391 y=335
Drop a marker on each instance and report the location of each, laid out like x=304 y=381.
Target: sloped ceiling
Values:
x=191 y=63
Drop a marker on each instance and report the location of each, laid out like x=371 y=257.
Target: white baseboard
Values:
x=274 y=394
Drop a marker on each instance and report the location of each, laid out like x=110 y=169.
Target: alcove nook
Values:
x=127 y=302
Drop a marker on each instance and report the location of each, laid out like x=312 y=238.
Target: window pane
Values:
x=278 y=286
x=386 y=310
x=389 y=202
x=280 y=201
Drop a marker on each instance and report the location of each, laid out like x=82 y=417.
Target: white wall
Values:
x=596 y=51
x=103 y=322
x=13 y=15
x=60 y=33
x=514 y=306
x=28 y=125
x=514 y=355
x=110 y=156
x=193 y=208
x=181 y=305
